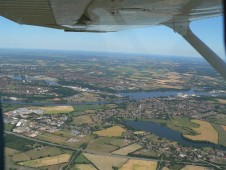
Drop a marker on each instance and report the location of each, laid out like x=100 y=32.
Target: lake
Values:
x=167 y=133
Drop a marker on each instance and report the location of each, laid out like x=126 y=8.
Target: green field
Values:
x=36 y=154
x=17 y=143
x=221 y=134
x=8 y=126
x=81 y=159
x=217 y=119
x=105 y=144
x=80 y=109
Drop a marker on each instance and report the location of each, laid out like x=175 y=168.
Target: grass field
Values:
x=18 y=143
x=84 y=167
x=134 y=164
x=103 y=162
x=146 y=153
x=81 y=108
x=128 y=149
x=221 y=134
x=8 y=126
x=106 y=144
x=57 y=109
x=217 y=119
x=47 y=161
x=64 y=133
x=114 y=131
x=35 y=154
x=81 y=159
x=191 y=167
x=52 y=138
x=10 y=151
x=64 y=141
x=205 y=131
x=85 y=119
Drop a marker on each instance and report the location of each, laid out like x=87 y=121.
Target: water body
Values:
x=165 y=132
x=132 y=96
x=151 y=94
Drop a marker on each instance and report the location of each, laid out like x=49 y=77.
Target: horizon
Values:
x=100 y=52
x=154 y=40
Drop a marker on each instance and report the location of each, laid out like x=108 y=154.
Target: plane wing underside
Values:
x=107 y=15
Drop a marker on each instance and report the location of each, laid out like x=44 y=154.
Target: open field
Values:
x=82 y=108
x=81 y=159
x=47 y=161
x=217 y=119
x=78 y=140
x=64 y=133
x=57 y=109
x=221 y=134
x=103 y=162
x=221 y=101
x=17 y=143
x=147 y=153
x=52 y=138
x=54 y=167
x=36 y=154
x=134 y=164
x=10 y=151
x=205 y=131
x=84 y=167
x=85 y=119
x=106 y=144
x=191 y=167
x=114 y=131
x=128 y=149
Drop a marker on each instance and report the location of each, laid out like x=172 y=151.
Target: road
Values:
x=107 y=154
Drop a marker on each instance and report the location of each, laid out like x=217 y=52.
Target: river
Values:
x=151 y=94
x=132 y=96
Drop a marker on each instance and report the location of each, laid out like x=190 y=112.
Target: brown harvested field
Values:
x=191 y=167
x=103 y=162
x=57 y=109
x=205 y=131
x=47 y=161
x=222 y=101
x=134 y=164
x=114 y=131
x=85 y=119
x=85 y=167
x=128 y=149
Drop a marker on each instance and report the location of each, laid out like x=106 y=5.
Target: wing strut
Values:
x=211 y=57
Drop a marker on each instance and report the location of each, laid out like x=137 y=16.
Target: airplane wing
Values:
x=106 y=15
x=116 y=15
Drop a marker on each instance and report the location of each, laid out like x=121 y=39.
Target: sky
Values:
x=158 y=40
